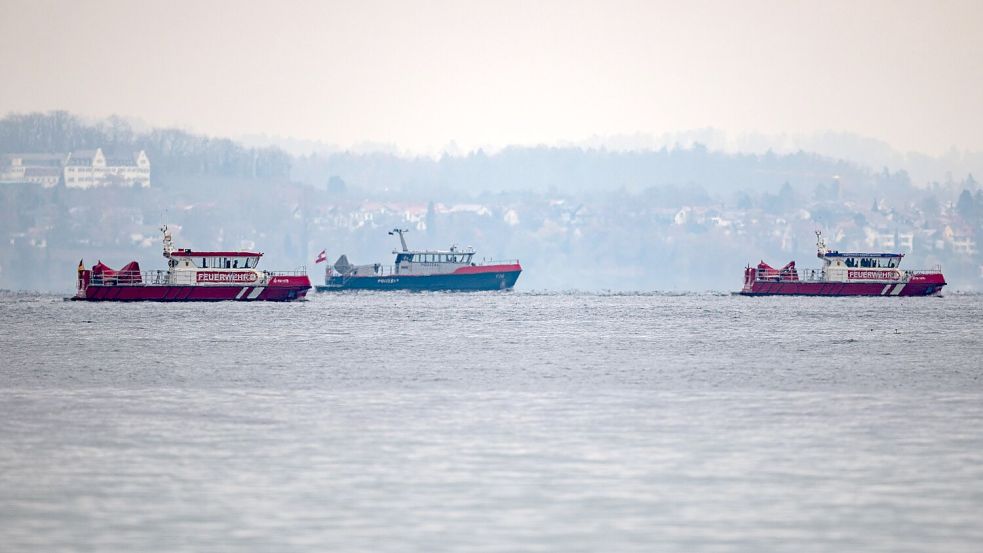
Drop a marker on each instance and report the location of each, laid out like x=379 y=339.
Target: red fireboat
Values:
x=844 y=274
x=192 y=276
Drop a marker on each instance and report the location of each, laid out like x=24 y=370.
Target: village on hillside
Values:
x=673 y=220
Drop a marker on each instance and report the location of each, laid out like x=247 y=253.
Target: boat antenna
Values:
x=402 y=240
x=168 y=244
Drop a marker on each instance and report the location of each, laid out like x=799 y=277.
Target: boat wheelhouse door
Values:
x=403 y=263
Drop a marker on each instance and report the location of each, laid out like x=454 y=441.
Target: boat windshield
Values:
x=438 y=257
x=231 y=262
x=872 y=262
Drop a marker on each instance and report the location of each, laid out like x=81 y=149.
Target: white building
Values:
x=91 y=168
x=43 y=169
x=130 y=169
x=79 y=169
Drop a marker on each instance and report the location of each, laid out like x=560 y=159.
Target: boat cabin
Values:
x=186 y=258
x=862 y=260
x=428 y=262
x=435 y=256
x=213 y=260
x=852 y=266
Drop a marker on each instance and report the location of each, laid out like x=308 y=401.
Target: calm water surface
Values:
x=493 y=422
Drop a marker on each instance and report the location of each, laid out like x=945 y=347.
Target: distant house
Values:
x=92 y=168
x=906 y=241
x=960 y=240
x=78 y=169
x=129 y=169
x=47 y=177
x=85 y=168
x=43 y=169
x=894 y=241
x=964 y=245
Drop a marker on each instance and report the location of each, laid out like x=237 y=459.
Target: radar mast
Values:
x=821 y=249
x=402 y=240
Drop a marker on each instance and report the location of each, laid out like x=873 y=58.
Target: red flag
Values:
x=323 y=256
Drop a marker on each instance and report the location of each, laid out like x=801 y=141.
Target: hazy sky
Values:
x=420 y=74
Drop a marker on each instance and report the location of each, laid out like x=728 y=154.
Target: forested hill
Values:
x=171 y=151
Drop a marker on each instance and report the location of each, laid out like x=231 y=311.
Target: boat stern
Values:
x=287 y=286
x=925 y=283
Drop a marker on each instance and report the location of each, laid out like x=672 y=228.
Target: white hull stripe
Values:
x=255 y=293
x=241 y=292
x=886 y=288
x=897 y=289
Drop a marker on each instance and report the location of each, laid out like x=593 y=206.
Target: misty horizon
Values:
x=864 y=151
x=421 y=76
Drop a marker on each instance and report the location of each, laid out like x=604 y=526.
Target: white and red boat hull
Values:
x=843 y=274
x=922 y=285
x=191 y=276
x=286 y=288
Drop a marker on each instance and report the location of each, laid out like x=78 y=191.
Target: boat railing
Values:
x=811 y=275
x=499 y=262
x=935 y=270
x=132 y=278
x=382 y=271
x=297 y=272
x=818 y=275
x=377 y=271
x=787 y=275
